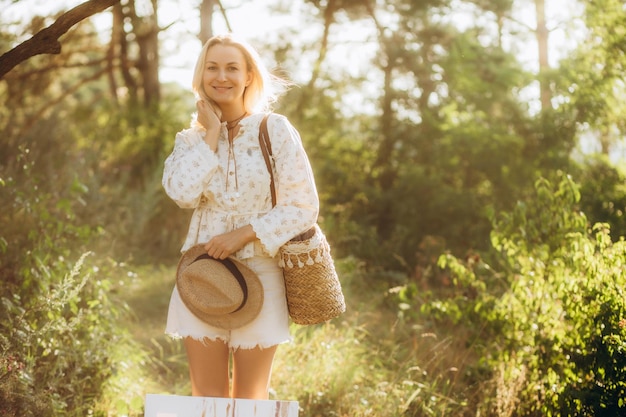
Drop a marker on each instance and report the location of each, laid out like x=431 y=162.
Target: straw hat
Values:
x=223 y=293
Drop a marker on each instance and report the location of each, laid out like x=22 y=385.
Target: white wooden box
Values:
x=184 y=406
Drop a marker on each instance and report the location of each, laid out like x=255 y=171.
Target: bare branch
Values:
x=46 y=41
x=20 y=76
x=223 y=10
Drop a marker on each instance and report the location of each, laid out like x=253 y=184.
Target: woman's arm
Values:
x=189 y=168
x=297 y=202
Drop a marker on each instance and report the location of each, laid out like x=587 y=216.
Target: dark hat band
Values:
x=235 y=272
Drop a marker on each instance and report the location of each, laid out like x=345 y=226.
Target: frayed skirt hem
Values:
x=263 y=344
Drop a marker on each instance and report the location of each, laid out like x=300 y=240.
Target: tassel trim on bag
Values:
x=303 y=253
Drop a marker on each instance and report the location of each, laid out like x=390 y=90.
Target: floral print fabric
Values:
x=230 y=188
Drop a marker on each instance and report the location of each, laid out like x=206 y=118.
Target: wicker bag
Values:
x=313 y=290
x=311 y=283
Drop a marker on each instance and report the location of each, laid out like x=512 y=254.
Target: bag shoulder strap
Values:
x=266 y=148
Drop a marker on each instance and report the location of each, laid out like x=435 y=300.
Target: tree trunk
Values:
x=542 y=34
x=125 y=63
x=117 y=32
x=384 y=174
x=146 y=34
x=148 y=65
x=206 y=20
x=383 y=163
x=46 y=41
x=307 y=92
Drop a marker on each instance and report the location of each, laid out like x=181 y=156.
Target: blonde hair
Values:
x=264 y=88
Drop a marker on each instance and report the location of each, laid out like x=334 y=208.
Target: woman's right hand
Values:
x=209 y=119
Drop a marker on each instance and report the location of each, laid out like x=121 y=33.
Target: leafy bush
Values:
x=62 y=328
x=549 y=307
x=603 y=192
x=56 y=347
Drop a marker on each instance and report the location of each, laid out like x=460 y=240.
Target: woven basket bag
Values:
x=313 y=289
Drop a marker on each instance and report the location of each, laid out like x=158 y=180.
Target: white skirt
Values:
x=269 y=328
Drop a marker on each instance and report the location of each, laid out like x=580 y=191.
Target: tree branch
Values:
x=21 y=76
x=46 y=41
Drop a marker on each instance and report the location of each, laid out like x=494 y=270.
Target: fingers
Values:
x=201 y=105
x=213 y=107
x=208 y=115
x=224 y=245
x=206 y=108
x=216 y=251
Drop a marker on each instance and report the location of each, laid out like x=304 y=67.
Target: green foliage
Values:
x=56 y=348
x=66 y=352
x=597 y=348
x=122 y=149
x=603 y=192
x=452 y=145
x=550 y=307
x=62 y=331
x=589 y=84
x=38 y=224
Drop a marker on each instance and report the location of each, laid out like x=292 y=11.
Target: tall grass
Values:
x=368 y=362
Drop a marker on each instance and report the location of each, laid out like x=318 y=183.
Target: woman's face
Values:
x=225 y=75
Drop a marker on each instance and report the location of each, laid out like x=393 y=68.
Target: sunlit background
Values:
x=353 y=42
x=477 y=229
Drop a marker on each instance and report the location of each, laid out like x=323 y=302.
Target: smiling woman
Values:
x=218 y=169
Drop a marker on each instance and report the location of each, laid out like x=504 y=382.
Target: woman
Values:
x=217 y=168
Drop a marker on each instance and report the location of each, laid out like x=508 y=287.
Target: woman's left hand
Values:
x=224 y=245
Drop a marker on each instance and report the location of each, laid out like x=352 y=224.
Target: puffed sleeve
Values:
x=188 y=168
x=297 y=202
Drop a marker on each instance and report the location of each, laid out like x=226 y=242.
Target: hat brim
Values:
x=244 y=315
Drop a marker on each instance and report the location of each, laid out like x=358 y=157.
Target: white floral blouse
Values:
x=230 y=188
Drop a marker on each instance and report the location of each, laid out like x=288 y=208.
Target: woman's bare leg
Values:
x=208 y=367
x=252 y=370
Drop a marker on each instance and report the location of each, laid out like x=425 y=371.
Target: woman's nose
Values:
x=221 y=75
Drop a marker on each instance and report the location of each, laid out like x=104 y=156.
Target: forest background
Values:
x=470 y=169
